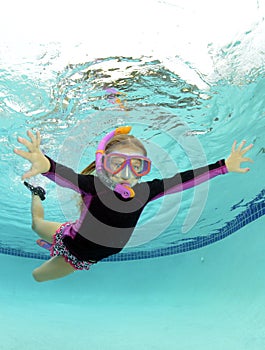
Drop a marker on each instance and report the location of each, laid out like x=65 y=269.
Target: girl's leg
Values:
x=56 y=267
x=53 y=269
x=45 y=229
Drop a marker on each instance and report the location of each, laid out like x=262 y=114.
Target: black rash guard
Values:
x=108 y=220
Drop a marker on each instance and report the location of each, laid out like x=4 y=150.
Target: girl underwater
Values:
x=112 y=200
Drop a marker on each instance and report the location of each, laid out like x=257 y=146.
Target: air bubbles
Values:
x=120 y=121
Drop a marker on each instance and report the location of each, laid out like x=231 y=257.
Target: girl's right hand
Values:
x=236 y=158
x=39 y=163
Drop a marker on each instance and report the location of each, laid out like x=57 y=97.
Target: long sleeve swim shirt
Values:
x=107 y=220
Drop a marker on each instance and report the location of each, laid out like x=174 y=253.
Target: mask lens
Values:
x=138 y=165
x=114 y=163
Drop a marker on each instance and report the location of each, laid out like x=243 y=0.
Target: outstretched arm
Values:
x=233 y=162
x=191 y=178
x=60 y=174
x=39 y=163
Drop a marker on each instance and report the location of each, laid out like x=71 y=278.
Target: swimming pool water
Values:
x=182 y=126
x=188 y=93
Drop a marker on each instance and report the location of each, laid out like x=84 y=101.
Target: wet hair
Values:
x=125 y=140
x=116 y=141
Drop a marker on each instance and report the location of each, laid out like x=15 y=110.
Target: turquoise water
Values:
x=181 y=125
x=194 y=267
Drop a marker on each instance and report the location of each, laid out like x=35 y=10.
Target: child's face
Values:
x=126 y=176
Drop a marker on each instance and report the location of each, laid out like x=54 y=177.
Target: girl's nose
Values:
x=126 y=173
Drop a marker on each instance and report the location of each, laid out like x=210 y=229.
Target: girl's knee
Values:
x=37 y=276
x=52 y=269
x=35 y=224
x=38 y=225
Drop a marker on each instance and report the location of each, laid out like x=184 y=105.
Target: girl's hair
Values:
x=118 y=140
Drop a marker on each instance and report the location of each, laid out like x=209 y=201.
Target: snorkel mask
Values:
x=113 y=163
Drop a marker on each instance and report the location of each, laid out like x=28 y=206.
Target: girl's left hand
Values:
x=39 y=163
x=235 y=159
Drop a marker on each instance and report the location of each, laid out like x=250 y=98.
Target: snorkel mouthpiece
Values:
x=125 y=191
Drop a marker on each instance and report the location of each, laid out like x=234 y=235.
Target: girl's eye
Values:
x=136 y=165
x=117 y=165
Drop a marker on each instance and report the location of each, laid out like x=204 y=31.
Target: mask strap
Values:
x=125 y=191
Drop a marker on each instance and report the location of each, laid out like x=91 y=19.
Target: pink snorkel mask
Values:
x=101 y=166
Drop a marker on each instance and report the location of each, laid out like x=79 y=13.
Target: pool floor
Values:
x=209 y=299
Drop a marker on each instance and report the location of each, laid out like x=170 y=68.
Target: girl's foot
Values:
x=37 y=191
x=44 y=244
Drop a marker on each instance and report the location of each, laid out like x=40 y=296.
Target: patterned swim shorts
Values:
x=59 y=249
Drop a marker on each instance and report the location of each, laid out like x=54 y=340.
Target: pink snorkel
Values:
x=124 y=190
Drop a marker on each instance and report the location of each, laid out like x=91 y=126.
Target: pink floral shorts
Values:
x=59 y=249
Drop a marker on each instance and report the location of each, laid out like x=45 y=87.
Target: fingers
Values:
x=33 y=147
x=38 y=138
x=25 y=155
x=247 y=148
x=242 y=144
x=244 y=160
x=33 y=144
x=28 y=175
x=22 y=154
x=26 y=143
x=234 y=146
x=241 y=147
x=244 y=170
x=35 y=140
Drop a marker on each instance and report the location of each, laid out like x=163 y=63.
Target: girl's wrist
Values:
x=228 y=166
x=47 y=166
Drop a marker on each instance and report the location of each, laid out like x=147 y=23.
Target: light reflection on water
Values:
x=72 y=104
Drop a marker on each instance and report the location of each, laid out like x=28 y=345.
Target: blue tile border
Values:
x=253 y=210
